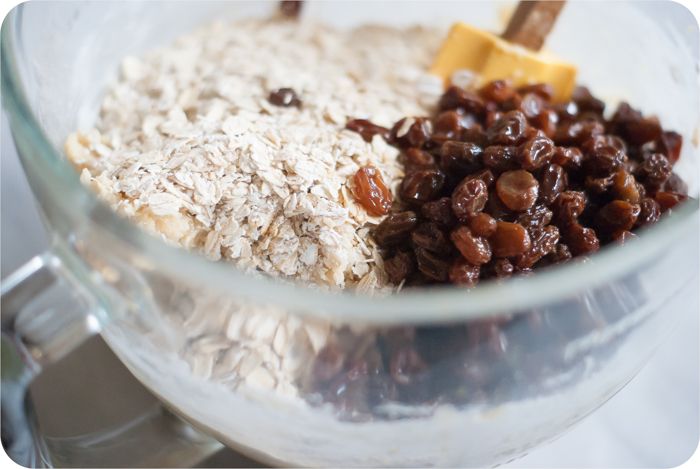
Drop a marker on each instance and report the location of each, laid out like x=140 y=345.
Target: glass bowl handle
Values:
x=46 y=315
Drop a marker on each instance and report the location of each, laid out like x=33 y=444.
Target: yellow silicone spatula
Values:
x=514 y=55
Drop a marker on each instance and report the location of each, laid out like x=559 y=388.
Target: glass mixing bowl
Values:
x=503 y=367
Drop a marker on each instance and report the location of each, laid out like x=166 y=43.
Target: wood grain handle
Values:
x=531 y=23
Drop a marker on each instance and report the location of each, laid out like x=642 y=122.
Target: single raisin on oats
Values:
x=371 y=192
x=475 y=249
x=518 y=190
x=284 y=97
x=510 y=239
x=395 y=229
x=469 y=198
x=367 y=129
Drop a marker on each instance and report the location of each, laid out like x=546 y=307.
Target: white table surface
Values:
x=653 y=422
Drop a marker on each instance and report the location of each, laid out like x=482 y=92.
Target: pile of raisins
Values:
x=502 y=181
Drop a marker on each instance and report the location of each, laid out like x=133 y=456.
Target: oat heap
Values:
x=188 y=145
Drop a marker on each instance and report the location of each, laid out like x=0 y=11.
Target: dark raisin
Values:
x=458 y=98
x=674 y=183
x=482 y=224
x=422 y=186
x=535 y=153
x=518 y=190
x=553 y=182
x=561 y=253
x=485 y=175
x=508 y=130
x=624 y=187
x=655 y=170
x=460 y=158
x=450 y=124
x=406 y=365
x=604 y=154
x=546 y=121
x=284 y=97
x=415 y=158
x=411 y=132
x=586 y=101
x=463 y=273
x=531 y=105
x=469 y=197
x=668 y=200
x=475 y=134
x=569 y=206
x=395 y=229
x=371 y=192
x=566 y=112
x=498 y=91
x=430 y=237
x=542 y=242
x=367 y=129
x=670 y=144
x=568 y=157
x=501 y=268
x=399 y=267
x=650 y=212
x=598 y=185
x=617 y=215
x=475 y=249
x=431 y=265
x=575 y=133
x=643 y=130
x=535 y=217
x=439 y=211
x=581 y=240
x=500 y=158
x=510 y=239
x=291 y=8
x=492 y=117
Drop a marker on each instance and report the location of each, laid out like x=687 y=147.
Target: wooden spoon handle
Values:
x=531 y=22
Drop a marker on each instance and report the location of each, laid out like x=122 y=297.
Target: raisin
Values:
x=367 y=129
x=371 y=192
x=411 y=132
x=535 y=153
x=575 y=133
x=543 y=90
x=475 y=134
x=617 y=215
x=553 y=182
x=598 y=185
x=422 y=186
x=566 y=112
x=670 y=144
x=498 y=91
x=581 y=240
x=399 y=267
x=650 y=212
x=569 y=206
x=395 y=229
x=655 y=170
x=492 y=117
x=501 y=268
x=500 y=158
x=328 y=363
x=535 y=217
x=510 y=239
x=475 y=249
x=485 y=175
x=415 y=158
x=482 y=224
x=624 y=187
x=458 y=98
x=568 y=157
x=284 y=97
x=460 y=158
x=463 y=273
x=561 y=253
x=430 y=237
x=643 y=130
x=668 y=200
x=405 y=365
x=439 y=211
x=543 y=242
x=508 y=130
x=604 y=154
x=291 y=8
x=586 y=101
x=518 y=190
x=675 y=184
x=450 y=124
x=546 y=121
x=431 y=265
x=469 y=197
x=531 y=105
